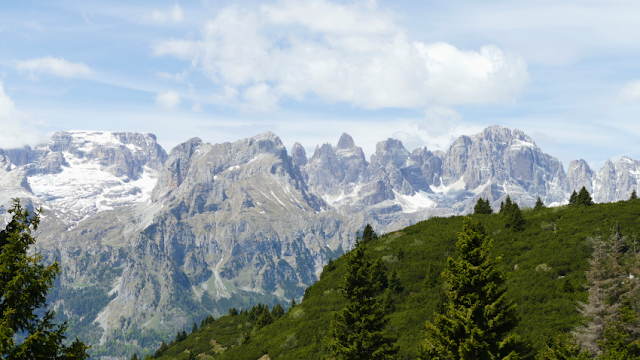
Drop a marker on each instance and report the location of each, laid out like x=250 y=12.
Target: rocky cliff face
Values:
x=161 y=240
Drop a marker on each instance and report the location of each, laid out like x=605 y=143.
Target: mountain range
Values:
x=155 y=241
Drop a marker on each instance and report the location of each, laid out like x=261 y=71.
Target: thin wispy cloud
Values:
x=172 y=15
x=53 y=66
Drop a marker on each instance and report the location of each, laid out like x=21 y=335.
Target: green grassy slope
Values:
x=547 y=283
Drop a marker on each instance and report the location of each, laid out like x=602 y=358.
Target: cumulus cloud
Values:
x=53 y=66
x=630 y=92
x=18 y=129
x=351 y=53
x=173 y=14
x=168 y=100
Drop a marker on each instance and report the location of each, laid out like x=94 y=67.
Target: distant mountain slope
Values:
x=154 y=241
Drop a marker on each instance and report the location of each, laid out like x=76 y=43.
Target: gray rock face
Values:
x=579 y=174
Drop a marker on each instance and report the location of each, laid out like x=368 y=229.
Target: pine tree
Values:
x=24 y=283
x=634 y=195
x=264 y=319
x=501 y=207
x=135 y=357
x=379 y=275
x=483 y=207
x=368 y=234
x=584 y=198
x=539 y=204
x=394 y=283
x=478 y=320
x=573 y=198
x=192 y=355
x=194 y=328
x=513 y=218
x=277 y=312
x=357 y=331
x=233 y=312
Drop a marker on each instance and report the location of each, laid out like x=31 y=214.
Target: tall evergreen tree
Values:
x=513 y=218
x=357 y=331
x=634 y=195
x=277 y=312
x=477 y=320
x=584 y=198
x=483 y=207
x=264 y=319
x=539 y=204
x=24 y=283
x=368 y=234
x=194 y=328
x=573 y=198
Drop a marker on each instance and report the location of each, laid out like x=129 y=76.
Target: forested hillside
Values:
x=548 y=253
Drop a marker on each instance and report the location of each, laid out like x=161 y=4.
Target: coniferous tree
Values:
x=513 y=218
x=233 y=311
x=539 y=204
x=483 y=207
x=379 y=275
x=135 y=357
x=584 y=198
x=634 y=195
x=192 y=355
x=573 y=198
x=264 y=319
x=277 y=312
x=394 y=283
x=293 y=304
x=194 y=328
x=477 y=320
x=357 y=331
x=24 y=283
x=501 y=207
x=368 y=234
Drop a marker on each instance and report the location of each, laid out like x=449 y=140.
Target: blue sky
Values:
x=565 y=72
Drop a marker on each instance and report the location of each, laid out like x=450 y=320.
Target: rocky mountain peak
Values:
x=346 y=142
x=298 y=155
x=579 y=174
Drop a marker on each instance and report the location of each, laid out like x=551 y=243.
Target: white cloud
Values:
x=168 y=100
x=177 y=77
x=439 y=120
x=174 y=14
x=342 y=53
x=33 y=25
x=197 y=107
x=18 y=129
x=630 y=92
x=53 y=66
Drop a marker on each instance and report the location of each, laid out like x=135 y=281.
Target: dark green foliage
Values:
x=24 y=284
x=539 y=204
x=573 y=198
x=513 y=218
x=379 y=275
x=194 y=328
x=293 y=304
x=368 y=234
x=562 y=347
x=233 y=312
x=394 y=282
x=277 y=312
x=357 y=331
x=264 y=319
x=135 y=357
x=478 y=319
x=584 y=198
x=501 y=207
x=634 y=195
x=328 y=268
x=483 y=207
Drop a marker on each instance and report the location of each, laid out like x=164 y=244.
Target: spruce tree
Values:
x=194 y=328
x=477 y=319
x=573 y=198
x=513 y=218
x=24 y=283
x=357 y=331
x=277 y=312
x=264 y=319
x=634 y=195
x=368 y=234
x=483 y=207
x=584 y=198
x=539 y=204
